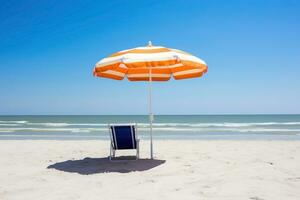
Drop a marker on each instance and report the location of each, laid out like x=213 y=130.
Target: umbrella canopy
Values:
x=135 y=64
x=150 y=63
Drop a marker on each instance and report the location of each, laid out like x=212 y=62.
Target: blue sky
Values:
x=48 y=50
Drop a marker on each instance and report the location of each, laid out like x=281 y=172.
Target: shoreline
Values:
x=186 y=137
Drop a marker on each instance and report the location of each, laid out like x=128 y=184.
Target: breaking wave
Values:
x=13 y=126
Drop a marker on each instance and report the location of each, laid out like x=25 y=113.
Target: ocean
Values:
x=84 y=127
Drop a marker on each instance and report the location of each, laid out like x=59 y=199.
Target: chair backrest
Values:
x=123 y=136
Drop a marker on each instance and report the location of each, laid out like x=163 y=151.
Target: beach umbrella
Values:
x=150 y=63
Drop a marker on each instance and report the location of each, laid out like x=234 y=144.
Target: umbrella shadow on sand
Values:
x=88 y=166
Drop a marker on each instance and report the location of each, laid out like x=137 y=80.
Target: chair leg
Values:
x=138 y=150
x=110 y=152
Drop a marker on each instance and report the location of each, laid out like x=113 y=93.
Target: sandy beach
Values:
x=183 y=169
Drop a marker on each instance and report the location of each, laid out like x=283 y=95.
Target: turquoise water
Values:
x=286 y=127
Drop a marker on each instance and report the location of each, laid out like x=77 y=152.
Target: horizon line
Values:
x=3 y=115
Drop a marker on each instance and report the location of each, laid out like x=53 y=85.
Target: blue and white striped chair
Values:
x=123 y=137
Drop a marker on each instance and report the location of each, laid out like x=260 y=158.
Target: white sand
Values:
x=185 y=170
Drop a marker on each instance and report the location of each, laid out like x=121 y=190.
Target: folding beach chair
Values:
x=123 y=137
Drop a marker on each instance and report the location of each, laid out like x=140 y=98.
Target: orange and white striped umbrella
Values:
x=150 y=63
x=161 y=63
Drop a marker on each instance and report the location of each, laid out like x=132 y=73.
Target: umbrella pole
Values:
x=150 y=111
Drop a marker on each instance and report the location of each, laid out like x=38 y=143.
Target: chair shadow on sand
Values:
x=88 y=166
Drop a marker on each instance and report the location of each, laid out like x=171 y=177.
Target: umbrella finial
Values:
x=149 y=44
